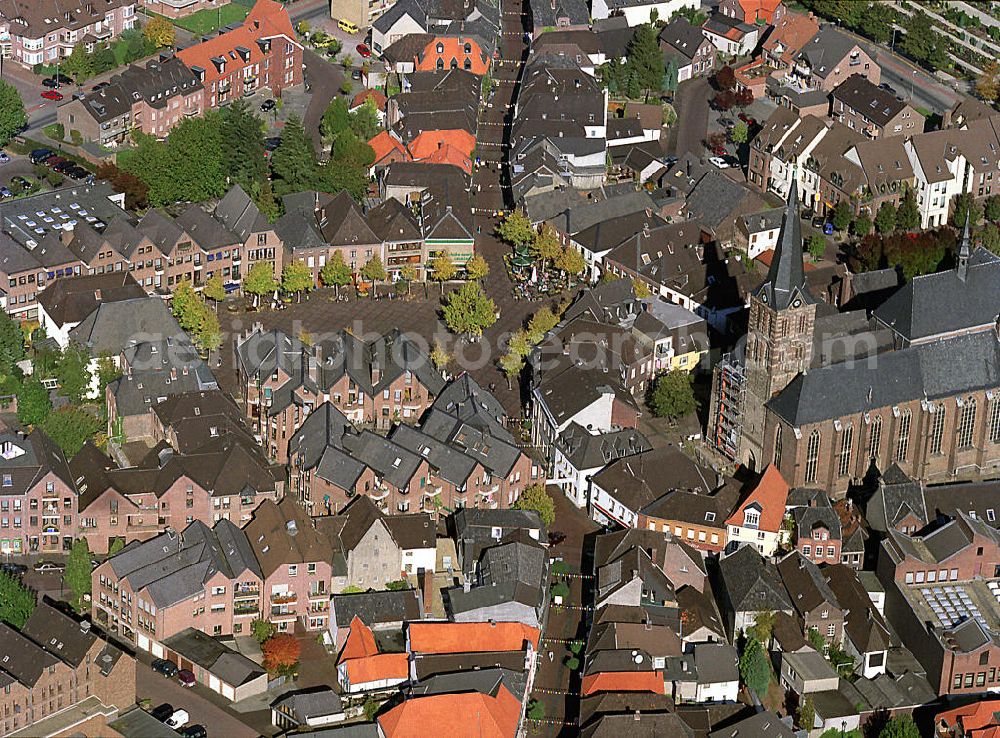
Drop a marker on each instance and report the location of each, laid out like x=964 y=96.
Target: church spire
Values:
x=786 y=280
x=964 y=251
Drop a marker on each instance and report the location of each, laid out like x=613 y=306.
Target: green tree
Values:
x=806 y=715
x=11 y=343
x=516 y=229
x=762 y=627
x=885 y=218
x=185 y=306
x=991 y=208
x=816 y=640
x=70 y=427
x=989 y=236
x=261 y=630
x=641 y=289
x=966 y=205
x=208 y=336
x=921 y=43
x=842 y=215
x=73 y=373
x=33 y=403
x=908 y=215
x=352 y=152
x=571 y=261
x=862 y=225
x=296 y=278
x=243 y=151
x=107 y=372
x=397 y=584
x=215 y=289
x=739 y=132
x=672 y=395
x=12 y=115
x=78 y=64
x=816 y=245
x=260 y=281
x=78 y=568
x=374 y=271
x=335 y=273
x=364 y=121
x=543 y=321
x=17 y=602
x=294 y=161
x=534 y=497
x=511 y=364
x=371 y=707
x=440 y=356
x=159 y=31
x=476 y=268
x=442 y=268
x=116 y=545
x=536 y=710
x=901 y=726
x=469 y=311
x=755 y=671
x=644 y=62
x=546 y=245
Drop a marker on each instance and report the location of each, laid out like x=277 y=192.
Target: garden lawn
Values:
x=209 y=19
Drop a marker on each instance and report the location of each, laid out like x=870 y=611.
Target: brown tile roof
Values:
x=283 y=534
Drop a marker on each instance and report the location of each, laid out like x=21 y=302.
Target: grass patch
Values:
x=926 y=112
x=210 y=19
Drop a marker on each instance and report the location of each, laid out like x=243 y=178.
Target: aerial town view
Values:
x=500 y=368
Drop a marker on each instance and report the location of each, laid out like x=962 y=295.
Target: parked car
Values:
x=54 y=161
x=194 y=731
x=61 y=79
x=727 y=122
x=670 y=161
x=64 y=166
x=100 y=86
x=718 y=161
x=162 y=712
x=186 y=677
x=44 y=565
x=268 y=105
x=817 y=222
x=178 y=720
x=164 y=667
x=747 y=119
x=828 y=228
x=270 y=144
x=3 y=157
x=720 y=151
x=39 y=155
x=732 y=161
x=78 y=172
x=52 y=95
x=15 y=570
x=20 y=182
x=50 y=83
x=356 y=74
x=364 y=51
x=5 y=192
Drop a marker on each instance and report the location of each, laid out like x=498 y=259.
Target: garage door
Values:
x=157 y=650
x=229 y=692
x=213 y=683
x=143 y=642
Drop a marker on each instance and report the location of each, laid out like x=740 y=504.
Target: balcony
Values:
x=279 y=614
x=284 y=598
x=239 y=592
x=322 y=594
x=240 y=610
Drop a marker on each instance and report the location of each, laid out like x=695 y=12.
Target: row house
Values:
x=152 y=99
x=200 y=577
x=45 y=31
x=295 y=563
x=261 y=54
x=379 y=383
x=828 y=59
x=816 y=606
x=461 y=454
x=38 y=498
x=872 y=110
x=55 y=663
x=688 y=49
x=941 y=598
x=697 y=519
x=223 y=480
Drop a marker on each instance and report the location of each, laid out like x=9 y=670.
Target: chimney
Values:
x=85 y=626
x=291 y=527
x=173 y=373
x=635 y=716
x=467 y=586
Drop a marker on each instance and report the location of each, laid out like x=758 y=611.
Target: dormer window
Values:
x=440 y=47
x=467 y=48
x=751 y=518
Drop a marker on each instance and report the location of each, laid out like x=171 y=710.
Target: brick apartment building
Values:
x=200 y=577
x=38 y=498
x=42 y=31
x=56 y=663
x=260 y=54
x=152 y=99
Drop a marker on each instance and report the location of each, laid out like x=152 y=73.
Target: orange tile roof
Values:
x=762 y=9
x=794 y=32
x=376 y=95
x=449 y=155
x=470 y=637
x=377 y=667
x=770 y=493
x=453 y=48
x=384 y=144
x=765 y=258
x=267 y=19
x=360 y=642
x=623 y=681
x=464 y=715
x=427 y=141
x=979 y=716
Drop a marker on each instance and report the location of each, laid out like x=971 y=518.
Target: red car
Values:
x=52 y=95
x=720 y=151
x=747 y=119
x=364 y=51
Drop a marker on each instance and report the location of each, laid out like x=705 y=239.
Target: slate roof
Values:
x=631 y=480
x=552 y=13
x=826 y=50
x=485 y=681
x=929 y=371
x=716 y=198
x=60 y=634
x=115 y=325
x=919 y=311
x=640 y=725
x=28 y=459
x=679 y=35
x=317 y=703
x=22 y=658
x=376 y=608
x=72 y=300
x=238 y=212
x=786 y=282
x=807 y=589
x=585 y=450
x=807 y=518
x=751 y=583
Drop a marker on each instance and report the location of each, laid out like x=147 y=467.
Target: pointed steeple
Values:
x=786 y=282
x=964 y=251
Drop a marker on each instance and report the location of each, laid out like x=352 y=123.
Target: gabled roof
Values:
x=769 y=496
x=807 y=589
x=360 y=642
x=283 y=534
x=623 y=681
x=481 y=716
x=752 y=584
x=442 y=638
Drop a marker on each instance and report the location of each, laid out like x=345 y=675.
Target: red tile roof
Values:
x=384 y=144
x=794 y=32
x=445 y=147
x=360 y=642
x=376 y=95
x=378 y=667
x=770 y=494
x=623 y=681
x=977 y=720
x=464 y=715
x=759 y=9
x=765 y=259
x=453 y=49
x=470 y=637
x=267 y=19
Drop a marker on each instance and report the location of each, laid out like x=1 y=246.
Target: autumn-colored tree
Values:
x=159 y=31
x=476 y=267
x=281 y=653
x=546 y=245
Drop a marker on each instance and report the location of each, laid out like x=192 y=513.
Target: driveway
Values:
x=691 y=103
x=324 y=81
x=197 y=700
